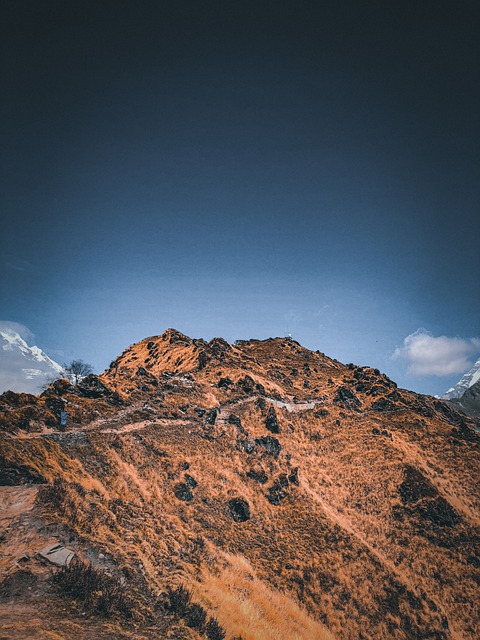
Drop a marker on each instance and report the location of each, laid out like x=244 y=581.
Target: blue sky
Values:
x=243 y=170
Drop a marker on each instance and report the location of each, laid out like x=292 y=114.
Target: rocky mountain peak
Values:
x=260 y=488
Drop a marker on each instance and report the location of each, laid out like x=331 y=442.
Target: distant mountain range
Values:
x=24 y=368
x=467 y=381
x=465 y=395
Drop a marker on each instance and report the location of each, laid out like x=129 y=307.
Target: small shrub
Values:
x=179 y=600
x=98 y=592
x=214 y=630
x=196 y=617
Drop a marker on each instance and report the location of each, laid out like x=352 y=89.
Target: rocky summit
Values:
x=255 y=490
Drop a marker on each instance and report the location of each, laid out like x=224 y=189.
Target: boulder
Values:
x=346 y=398
x=271 y=445
x=239 y=509
x=271 y=421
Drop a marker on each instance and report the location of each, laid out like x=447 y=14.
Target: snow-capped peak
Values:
x=468 y=380
x=24 y=368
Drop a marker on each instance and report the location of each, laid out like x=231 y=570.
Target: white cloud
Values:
x=427 y=355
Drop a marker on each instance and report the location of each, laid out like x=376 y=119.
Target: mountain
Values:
x=24 y=368
x=469 y=379
x=255 y=490
x=469 y=403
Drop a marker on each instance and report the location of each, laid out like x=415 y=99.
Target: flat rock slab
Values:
x=57 y=554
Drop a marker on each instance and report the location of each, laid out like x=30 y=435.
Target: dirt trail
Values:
x=224 y=411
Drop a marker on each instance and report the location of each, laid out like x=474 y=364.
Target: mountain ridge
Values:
x=467 y=380
x=292 y=496
x=24 y=368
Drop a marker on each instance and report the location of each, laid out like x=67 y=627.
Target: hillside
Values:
x=293 y=496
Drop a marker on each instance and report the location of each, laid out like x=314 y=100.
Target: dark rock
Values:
x=283 y=480
x=383 y=404
x=211 y=416
x=261 y=404
x=224 y=383
x=360 y=374
x=321 y=413
x=239 y=509
x=203 y=359
x=235 y=420
x=219 y=346
x=246 y=384
x=276 y=493
x=182 y=492
x=246 y=445
x=271 y=445
x=175 y=337
x=293 y=476
x=346 y=398
x=375 y=431
x=200 y=412
x=58 y=387
x=260 y=388
x=271 y=421
x=191 y=482
x=259 y=476
x=92 y=387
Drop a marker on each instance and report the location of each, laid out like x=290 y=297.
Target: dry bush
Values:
x=196 y=617
x=179 y=600
x=214 y=630
x=96 y=591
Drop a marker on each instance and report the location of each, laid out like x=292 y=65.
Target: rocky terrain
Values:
x=257 y=491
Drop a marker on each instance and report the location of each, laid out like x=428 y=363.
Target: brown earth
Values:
x=292 y=496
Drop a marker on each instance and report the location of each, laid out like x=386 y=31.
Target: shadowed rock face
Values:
x=212 y=478
x=469 y=403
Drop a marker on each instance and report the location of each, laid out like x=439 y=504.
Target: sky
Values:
x=245 y=169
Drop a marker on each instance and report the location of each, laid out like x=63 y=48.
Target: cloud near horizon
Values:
x=427 y=355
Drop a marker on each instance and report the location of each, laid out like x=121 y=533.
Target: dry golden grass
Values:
x=336 y=554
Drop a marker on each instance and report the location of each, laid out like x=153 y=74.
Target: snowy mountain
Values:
x=468 y=380
x=24 y=368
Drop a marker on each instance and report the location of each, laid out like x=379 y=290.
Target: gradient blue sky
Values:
x=242 y=169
